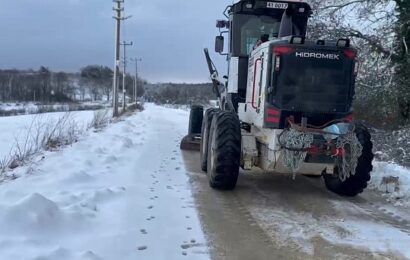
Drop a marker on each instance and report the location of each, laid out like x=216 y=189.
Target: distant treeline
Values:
x=179 y=94
x=92 y=83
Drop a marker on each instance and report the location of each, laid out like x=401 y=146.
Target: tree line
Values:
x=93 y=82
x=179 y=93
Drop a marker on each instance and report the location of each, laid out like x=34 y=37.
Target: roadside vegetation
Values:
x=48 y=134
x=380 y=29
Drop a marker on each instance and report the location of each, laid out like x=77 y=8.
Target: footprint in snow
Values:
x=151 y=218
x=141 y=248
x=187 y=246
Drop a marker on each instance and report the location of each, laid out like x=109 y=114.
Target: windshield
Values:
x=249 y=29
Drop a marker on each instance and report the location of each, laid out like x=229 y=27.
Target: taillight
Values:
x=351 y=54
x=277 y=63
x=272 y=116
x=282 y=50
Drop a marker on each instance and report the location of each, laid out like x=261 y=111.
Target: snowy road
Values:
x=274 y=217
x=128 y=192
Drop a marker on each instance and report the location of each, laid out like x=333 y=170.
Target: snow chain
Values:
x=299 y=143
x=353 y=150
x=295 y=146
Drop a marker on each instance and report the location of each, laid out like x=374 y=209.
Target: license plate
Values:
x=277 y=5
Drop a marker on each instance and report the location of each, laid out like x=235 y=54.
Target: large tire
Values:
x=195 y=120
x=206 y=125
x=358 y=182
x=224 y=151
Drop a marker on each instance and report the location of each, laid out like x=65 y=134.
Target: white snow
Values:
x=383 y=170
x=16 y=127
x=117 y=194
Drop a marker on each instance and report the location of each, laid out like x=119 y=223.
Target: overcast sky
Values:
x=69 y=34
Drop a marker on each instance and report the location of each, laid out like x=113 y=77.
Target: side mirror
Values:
x=219 y=44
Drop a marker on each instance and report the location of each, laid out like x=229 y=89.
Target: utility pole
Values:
x=118 y=9
x=124 y=72
x=136 y=79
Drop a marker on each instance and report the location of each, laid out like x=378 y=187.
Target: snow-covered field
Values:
x=28 y=108
x=16 y=128
x=117 y=194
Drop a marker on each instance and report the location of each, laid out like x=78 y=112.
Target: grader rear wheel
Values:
x=224 y=151
x=356 y=183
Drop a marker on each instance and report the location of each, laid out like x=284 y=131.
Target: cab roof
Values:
x=273 y=7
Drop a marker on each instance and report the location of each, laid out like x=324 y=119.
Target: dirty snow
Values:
x=353 y=222
x=349 y=226
x=118 y=194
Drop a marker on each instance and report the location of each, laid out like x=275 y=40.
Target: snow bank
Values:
x=384 y=177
